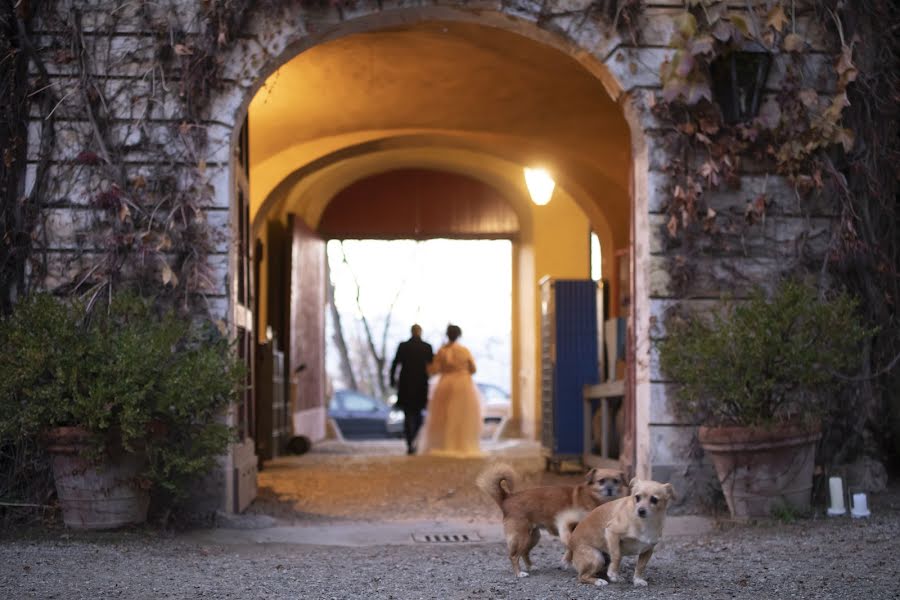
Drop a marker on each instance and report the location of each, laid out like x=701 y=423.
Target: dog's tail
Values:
x=491 y=481
x=565 y=525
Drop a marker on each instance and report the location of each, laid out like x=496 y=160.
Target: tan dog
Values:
x=528 y=511
x=625 y=527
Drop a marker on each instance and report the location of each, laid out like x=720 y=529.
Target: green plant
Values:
x=134 y=379
x=763 y=361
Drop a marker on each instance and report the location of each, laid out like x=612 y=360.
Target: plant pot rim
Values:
x=66 y=439
x=739 y=438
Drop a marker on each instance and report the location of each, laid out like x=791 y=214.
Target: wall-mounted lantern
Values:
x=738 y=80
x=540 y=185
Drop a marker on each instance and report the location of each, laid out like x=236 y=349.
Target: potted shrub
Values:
x=128 y=401
x=756 y=376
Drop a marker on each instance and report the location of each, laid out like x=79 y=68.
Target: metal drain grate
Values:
x=446 y=538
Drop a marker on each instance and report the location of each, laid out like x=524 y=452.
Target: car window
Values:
x=493 y=394
x=334 y=404
x=359 y=403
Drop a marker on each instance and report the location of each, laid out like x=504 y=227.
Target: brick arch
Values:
x=280 y=35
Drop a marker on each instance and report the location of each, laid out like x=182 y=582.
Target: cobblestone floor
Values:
x=377 y=480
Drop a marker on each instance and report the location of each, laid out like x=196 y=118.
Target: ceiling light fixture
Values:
x=540 y=185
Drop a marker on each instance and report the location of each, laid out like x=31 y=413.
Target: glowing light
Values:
x=540 y=185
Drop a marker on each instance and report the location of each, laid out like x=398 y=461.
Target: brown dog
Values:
x=528 y=511
x=628 y=526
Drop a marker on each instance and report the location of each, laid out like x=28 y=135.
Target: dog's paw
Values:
x=600 y=582
x=613 y=577
x=522 y=574
x=640 y=582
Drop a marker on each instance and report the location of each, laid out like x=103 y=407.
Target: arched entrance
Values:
x=481 y=95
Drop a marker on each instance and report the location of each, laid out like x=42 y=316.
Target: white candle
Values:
x=836 y=491
x=860 y=506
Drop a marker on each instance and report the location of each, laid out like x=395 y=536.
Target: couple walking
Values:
x=453 y=425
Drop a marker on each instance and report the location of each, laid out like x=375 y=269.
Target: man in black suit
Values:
x=413 y=357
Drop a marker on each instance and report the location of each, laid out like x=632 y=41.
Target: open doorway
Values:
x=380 y=288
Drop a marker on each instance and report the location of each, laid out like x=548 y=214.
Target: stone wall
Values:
x=131 y=50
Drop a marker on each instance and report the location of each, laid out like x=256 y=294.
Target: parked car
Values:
x=495 y=402
x=362 y=416
x=495 y=405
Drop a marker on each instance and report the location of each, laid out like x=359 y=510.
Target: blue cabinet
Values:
x=569 y=361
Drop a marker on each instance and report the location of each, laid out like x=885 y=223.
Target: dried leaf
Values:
x=698 y=89
x=168 y=276
x=222 y=326
x=124 y=212
x=723 y=31
x=710 y=171
x=183 y=50
x=201 y=166
x=672 y=226
x=808 y=97
x=716 y=12
x=687 y=128
x=793 y=43
x=684 y=64
x=740 y=24
x=846 y=70
x=701 y=45
x=776 y=18
x=769 y=114
x=756 y=209
x=686 y=24
x=845 y=137
x=86 y=157
x=165 y=243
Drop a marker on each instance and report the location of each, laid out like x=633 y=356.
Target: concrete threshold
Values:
x=389 y=533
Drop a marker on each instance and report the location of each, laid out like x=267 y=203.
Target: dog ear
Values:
x=670 y=491
x=590 y=475
x=633 y=483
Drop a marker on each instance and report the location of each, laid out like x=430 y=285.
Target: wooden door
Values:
x=307 y=331
x=244 y=461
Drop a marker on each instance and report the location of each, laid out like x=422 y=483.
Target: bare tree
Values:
x=377 y=354
x=339 y=339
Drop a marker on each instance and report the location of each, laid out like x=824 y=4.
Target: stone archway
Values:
x=590 y=43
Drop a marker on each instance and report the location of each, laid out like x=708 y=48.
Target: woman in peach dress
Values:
x=453 y=425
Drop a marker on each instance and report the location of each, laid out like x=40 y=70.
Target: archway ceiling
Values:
x=475 y=82
x=308 y=191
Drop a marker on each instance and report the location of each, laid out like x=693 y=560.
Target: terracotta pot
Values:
x=763 y=469
x=95 y=496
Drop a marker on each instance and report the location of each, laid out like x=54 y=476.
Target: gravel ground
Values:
x=814 y=558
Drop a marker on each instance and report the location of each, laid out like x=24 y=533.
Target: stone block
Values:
x=124 y=98
x=713 y=277
x=637 y=67
x=697 y=489
x=773 y=237
x=662 y=309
